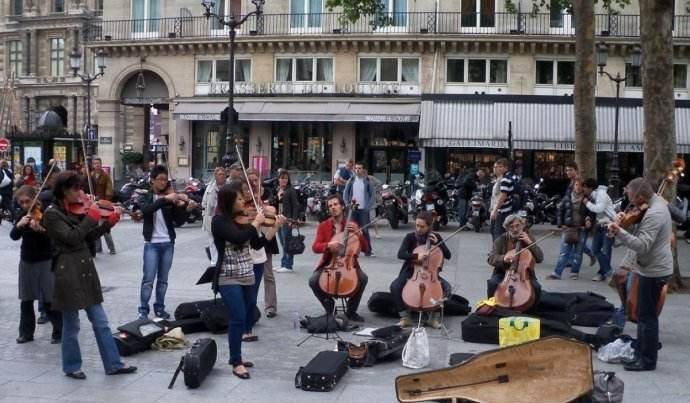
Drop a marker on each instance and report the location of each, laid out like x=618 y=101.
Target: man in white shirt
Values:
x=360 y=189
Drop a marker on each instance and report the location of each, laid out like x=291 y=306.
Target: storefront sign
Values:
x=198 y=116
x=302 y=88
x=4 y=144
x=414 y=155
x=105 y=140
x=390 y=118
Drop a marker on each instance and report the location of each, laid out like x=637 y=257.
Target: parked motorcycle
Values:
x=478 y=213
x=194 y=189
x=433 y=198
x=395 y=204
x=316 y=202
x=128 y=196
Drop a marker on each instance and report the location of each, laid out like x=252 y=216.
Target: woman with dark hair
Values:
x=35 y=277
x=28 y=176
x=235 y=234
x=77 y=285
x=288 y=205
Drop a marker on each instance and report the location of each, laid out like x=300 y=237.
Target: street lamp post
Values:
x=75 y=65
x=232 y=23
x=602 y=58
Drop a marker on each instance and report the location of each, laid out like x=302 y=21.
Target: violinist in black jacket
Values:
x=410 y=242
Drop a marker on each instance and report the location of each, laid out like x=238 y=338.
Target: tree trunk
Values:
x=585 y=81
x=657 y=87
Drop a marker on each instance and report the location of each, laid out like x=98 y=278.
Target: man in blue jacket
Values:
x=361 y=190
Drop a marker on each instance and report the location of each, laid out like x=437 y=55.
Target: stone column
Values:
x=182 y=131
x=26 y=40
x=33 y=114
x=34 y=54
x=109 y=126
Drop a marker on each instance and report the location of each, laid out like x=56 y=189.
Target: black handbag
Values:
x=294 y=244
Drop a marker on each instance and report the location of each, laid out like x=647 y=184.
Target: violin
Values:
x=339 y=276
x=268 y=211
x=516 y=291
x=105 y=207
x=423 y=291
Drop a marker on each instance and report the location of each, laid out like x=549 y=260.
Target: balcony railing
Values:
x=413 y=23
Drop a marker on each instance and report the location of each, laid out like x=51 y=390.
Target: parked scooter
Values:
x=433 y=198
x=194 y=189
x=394 y=204
x=129 y=194
x=478 y=213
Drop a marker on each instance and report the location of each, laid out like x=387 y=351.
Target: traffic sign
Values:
x=4 y=144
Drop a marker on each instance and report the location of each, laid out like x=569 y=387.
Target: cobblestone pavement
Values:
x=31 y=372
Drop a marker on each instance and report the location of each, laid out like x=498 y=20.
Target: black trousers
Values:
x=496 y=279
x=398 y=284
x=27 y=319
x=328 y=302
x=647 y=321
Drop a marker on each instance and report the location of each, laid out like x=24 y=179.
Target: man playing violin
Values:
x=323 y=244
x=162 y=208
x=501 y=259
x=410 y=242
x=649 y=249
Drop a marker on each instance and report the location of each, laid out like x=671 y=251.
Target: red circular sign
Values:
x=4 y=144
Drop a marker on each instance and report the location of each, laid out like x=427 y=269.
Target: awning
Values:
x=547 y=126
x=303 y=111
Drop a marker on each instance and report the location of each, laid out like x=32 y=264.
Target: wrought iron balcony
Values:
x=412 y=24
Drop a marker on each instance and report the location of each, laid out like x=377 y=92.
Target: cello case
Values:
x=551 y=369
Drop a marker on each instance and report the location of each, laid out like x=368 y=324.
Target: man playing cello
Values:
x=649 y=248
x=410 y=242
x=500 y=259
x=324 y=244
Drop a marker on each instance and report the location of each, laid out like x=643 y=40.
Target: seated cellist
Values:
x=410 y=242
x=324 y=245
x=515 y=227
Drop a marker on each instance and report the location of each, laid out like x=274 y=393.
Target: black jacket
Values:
x=290 y=203
x=409 y=244
x=36 y=246
x=565 y=213
x=171 y=214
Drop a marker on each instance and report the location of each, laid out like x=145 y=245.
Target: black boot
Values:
x=27 y=322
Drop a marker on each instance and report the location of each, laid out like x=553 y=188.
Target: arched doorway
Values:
x=145 y=99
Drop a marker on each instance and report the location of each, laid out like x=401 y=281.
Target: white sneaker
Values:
x=277 y=268
x=284 y=270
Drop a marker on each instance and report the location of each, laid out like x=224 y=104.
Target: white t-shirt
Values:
x=160 y=229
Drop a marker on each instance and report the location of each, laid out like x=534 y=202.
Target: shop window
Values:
x=389 y=69
x=563 y=70
x=15 y=50
x=633 y=75
x=300 y=69
x=303 y=148
x=57 y=57
x=492 y=71
x=383 y=148
x=680 y=76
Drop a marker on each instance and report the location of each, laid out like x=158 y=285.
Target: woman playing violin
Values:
x=410 y=242
x=501 y=256
x=323 y=244
x=35 y=276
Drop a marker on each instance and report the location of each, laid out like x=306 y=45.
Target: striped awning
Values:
x=535 y=125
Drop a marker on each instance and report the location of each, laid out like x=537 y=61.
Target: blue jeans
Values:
x=497 y=226
x=648 y=294
x=157 y=261
x=71 y=354
x=601 y=248
x=240 y=301
x=462 y=211
x=362 y=218
x=571 y=254
x=286 y=261
x=258 y=275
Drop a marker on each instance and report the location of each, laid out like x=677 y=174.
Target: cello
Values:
x=423 y=291
x=516 y=291
x=339 y=277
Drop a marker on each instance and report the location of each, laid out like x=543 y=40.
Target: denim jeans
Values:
x=157 y=261
x=571 y=254
x=258 y=275
x=240 y=305
x=462 y=211
x=497 y=226
x=362 y=218
x=601 y=248
x=71 y=354
x=287 y=260
x=648 y=294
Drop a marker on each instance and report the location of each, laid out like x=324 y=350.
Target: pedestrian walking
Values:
x=360 y=189
x=598 y=202
x=6 y=189
x=287 y=205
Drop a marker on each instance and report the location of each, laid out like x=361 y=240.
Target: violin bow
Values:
x=45 y=180
x=454 y=233
x=246 y=178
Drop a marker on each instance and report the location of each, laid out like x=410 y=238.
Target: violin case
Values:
x=205 y=315
x=197 y=363
x=553 y=369
x=323 y=372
